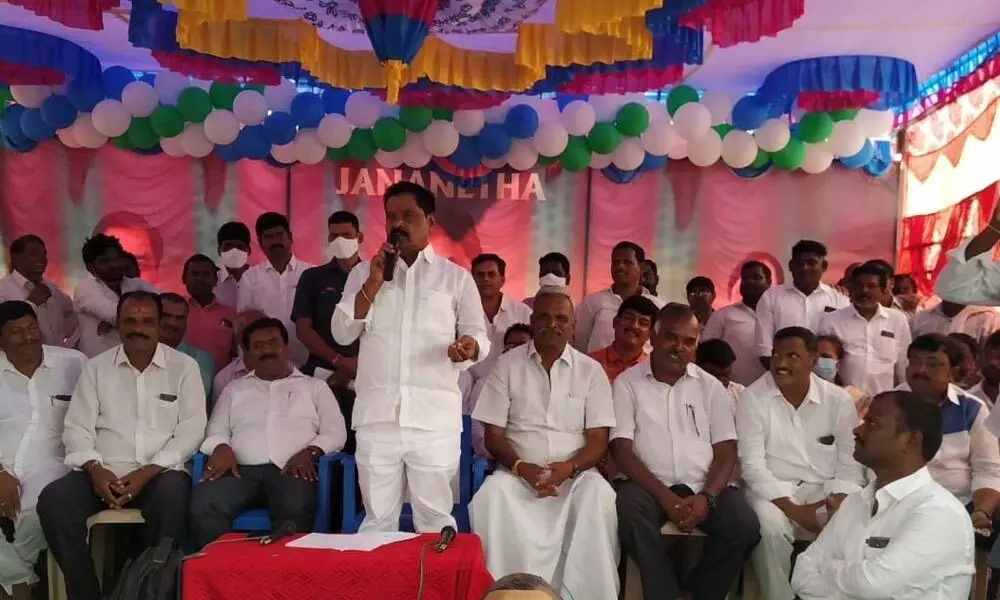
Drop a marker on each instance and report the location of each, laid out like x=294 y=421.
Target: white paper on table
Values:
x=362 y=542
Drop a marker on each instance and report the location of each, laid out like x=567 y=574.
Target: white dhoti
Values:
x=571 y=539
x=17 y=560
x=772 y=558
x=392 y=460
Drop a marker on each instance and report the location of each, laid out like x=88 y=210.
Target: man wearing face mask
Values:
x=234 y=250
x=553 y=271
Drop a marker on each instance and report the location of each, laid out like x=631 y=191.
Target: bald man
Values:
x=521 y=586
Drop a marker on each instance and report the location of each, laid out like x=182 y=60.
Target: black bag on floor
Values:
x=152 y=576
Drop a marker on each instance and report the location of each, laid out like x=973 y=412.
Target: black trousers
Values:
x=732 y=532
x=214 y=504
x=65 y=505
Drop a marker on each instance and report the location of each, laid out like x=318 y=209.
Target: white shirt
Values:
x=876 y=349
x=96 y=303
x=978 y=321
x=271 y=421
x=673 y=427
x=227 y=290
x=929 y=555
x=546 y=415
x=32 y=410
x=234 y=370
x=126 y=418
x=404 y=373
x=510 y=313
x=594 y=319
x=975 y=281
x=736 y=324
x=785 y=306
x=780 y=445
x=56 y=318
x=734 y=391
x=263 y=288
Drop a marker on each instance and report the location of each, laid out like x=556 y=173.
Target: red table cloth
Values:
x=247 y=570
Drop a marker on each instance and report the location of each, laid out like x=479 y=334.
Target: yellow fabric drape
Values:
x=212 y=10
x=594 y=16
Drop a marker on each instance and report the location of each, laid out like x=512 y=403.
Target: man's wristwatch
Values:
x=710 y=497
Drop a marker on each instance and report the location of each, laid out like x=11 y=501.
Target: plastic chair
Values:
x=101 y=547
x=259 y=519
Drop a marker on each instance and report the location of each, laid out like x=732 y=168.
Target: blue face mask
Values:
x=826 y=368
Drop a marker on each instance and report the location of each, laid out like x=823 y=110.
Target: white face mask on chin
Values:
x=342 y=248
x=551 y=279
x=234 y=258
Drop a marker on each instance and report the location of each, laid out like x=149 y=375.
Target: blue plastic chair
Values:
x=259 y=519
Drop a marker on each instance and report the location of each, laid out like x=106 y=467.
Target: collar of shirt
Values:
x=954 y=392
x=198 y=306
x=689 y=371
x=880 y=313
x=295 y=374
x=6 y=365
x=566 y=356
x=21 y=280
x=642 y=292
x=822 y=288
x=896 y=491
x=293 y=265
x=159 y=357
x=610 y=356
x=813 y=395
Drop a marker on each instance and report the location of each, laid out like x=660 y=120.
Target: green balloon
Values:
x=140 y=133
x=337 y=154
x=546 y=160
x=722 y=129
x=632 y=119
x=362 y=145
x=679 y=96
x=815 y=127
x=416 y=118
x=603 y=138
x=259 y=88
x=576 y=156
x=443 y=114
x=5 y=96
x=761 y=159
x=123 y=142
x=844 y=114
x=791 y=156
x=223 y=94
x=194 y=104
x=389 y=134
x=166 y=121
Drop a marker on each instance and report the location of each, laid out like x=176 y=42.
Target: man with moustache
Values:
x=420 y=322
x=701 y=296
x=56 y=319
x=173 y=325
x=648 y=276
x=988 y=387
x=210 y=323
x=632 y=324
x=234 y=251
x=489 y=271
x=736 y=324
x=136 y=417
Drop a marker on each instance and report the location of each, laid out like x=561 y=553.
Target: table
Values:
x=247 y=570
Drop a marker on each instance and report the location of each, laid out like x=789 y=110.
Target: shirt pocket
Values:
x=163 y=413
x=55 y=412
x=823 y=456
x=569 y=410
x=885 y=349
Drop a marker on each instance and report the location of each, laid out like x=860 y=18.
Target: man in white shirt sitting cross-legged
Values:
x=904 y=536
x=547 y=409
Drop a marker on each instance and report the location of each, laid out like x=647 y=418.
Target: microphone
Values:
x=287 y=528
x=389 y=266
x=447 y=537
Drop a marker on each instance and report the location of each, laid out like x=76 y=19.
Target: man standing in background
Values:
x=54 y=309
x=553 y=270
x=234 y=250
x=489 y=271
x=736 y=324
x=210 y=323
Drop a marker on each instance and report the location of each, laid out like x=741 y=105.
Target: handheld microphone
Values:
x=287 y=528
x=447 y=537
x=389 y=266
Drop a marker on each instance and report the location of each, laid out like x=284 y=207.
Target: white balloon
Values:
x=490 y=163
x=547 y=109
x=599 y=161
x=522 y=155
x=222 y=127
x=440 y=138
x=67 y=137
x=334 y=131
x=692 y=121
x=110 y=118
x=679 y=149
x=172 y=147
x=846 y=139
x=362 y=109
x=578 y=117
x=139 y=99
x=739 y=149
x=30 y=96
x=415 y=155
x=706 y=150
x=816 y=159
x=309 y=149
x=168 y=86
x=773 y=135
x=250 y=107
x=468 y=122
x=629 y=154
x=659 y=137
x=194 y=142
x=551 y=139
x=657 y=111
x=85 y=134
x=874 y=123
x=606 y=107
x=390 y=160
x=284 y=153
x=719 y=105
x=279 y=97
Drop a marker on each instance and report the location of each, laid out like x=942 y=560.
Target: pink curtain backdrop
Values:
x=692 y=221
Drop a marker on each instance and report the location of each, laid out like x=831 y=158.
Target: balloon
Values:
x=279 y=128
x=604 y=138
x=632 y=119
x=706 y=150
x=10 y=123
x=466 y=155
x=285 y=153
x=773 y=135
x=521 y=122
x=110 y=118
x=723 y=129
x=415 y=118
x=652 y=162
x=440 y=138
x=606 y=107
x=547 y=109
x=657 y=111
x=719 y=105
x=115 y=79
x=58 y=112
x=522 y=155
x=468 y=122
x=85 y=133
x=678 y=97
x=659 y=137
x=221 y=127
x=860 y=158
x=250 y=107
x=123 y=142
x=389 y=160
x=222 y=95
x=844 y=114
x=171 y=146
x=791 y=156
x=307 y=109
x=629 y=154
x=443 y=114
x=141 y=134
x=749 y=113
x=874 y=123
x=362 y=110
x=739 y=149
x=168 y=86
x=679 y=149
x=816 y=159
x=166 y=121
x=544 y=161
x=493 y=141
x=415 y=155
x=578 y=117
x=551 y=139
x=139 y=99
x=194 y=142
x=334 y=100
x=600 y=161
x=35 y=127
x=30 y=96
x=252 y=143
x=361 y=146
x=762 y=158
x=692 y=121
x=334 y=131
x=337 y=154
x=84 y=96
x=815 y=127
x=389 y=134
x=279 y=97
x=195 y=104
x=309 y=149
x=494 y=163
x=496 y=114
x=67 y=137
x=576 y=156
x=846 y=139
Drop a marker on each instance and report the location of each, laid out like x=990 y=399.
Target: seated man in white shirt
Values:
x=796 y=454
x=54 y=309
x=489 y=271
x=547 y=409
x=136 y=417
x=675 y=440
x=36 y=382
x=264 y=438
x=904 y=536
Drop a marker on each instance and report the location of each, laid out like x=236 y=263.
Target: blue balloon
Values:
x=307 y=109
x=467 y=154
x=752 y=172
x=652 y=162
x=228 y=152
x=616 y=175
x=10 y=125
x=861 y=158
x=84 y=96
x=19 y=145
x=148 y=151
x=279 y=128
x=58 y=112
x=335 y=101
x=749 y=113
x=115 y=80
x=35 y=127
x=521 y=122
x=493 y=141
x=252 y=142
x=149 y=78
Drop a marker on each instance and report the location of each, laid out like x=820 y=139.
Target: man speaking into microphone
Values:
x=420 y=322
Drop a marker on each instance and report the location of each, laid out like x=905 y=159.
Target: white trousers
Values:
x=17 y=560
x=571 y=540
x=772 y=558
x=392 y=460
